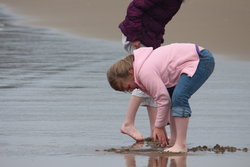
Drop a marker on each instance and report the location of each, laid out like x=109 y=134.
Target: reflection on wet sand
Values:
x=158 y=161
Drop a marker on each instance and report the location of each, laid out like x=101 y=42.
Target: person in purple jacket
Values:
x=144 y=26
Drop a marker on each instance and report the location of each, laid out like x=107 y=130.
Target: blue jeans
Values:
x=187 y=86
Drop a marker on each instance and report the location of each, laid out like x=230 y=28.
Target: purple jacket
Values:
x=146 y=20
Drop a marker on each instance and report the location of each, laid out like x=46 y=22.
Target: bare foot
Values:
x=176 y=149
x=132 y=132
x=171 y=142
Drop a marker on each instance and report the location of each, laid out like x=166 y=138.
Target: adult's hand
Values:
x=136 y=44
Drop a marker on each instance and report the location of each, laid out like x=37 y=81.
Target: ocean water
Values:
x=56 y=107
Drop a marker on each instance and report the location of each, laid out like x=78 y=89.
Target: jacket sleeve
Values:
x=133 y=20
x=158 y=91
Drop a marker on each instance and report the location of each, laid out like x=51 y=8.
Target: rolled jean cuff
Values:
x=181 y=112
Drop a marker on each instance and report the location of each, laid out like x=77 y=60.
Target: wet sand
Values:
x=221 y=26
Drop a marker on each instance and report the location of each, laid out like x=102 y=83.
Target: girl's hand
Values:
x=160 y=134
x=136 y=44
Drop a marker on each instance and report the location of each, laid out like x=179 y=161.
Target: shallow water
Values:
x=56 y=107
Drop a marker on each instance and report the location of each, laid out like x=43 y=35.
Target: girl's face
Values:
x=129 y=84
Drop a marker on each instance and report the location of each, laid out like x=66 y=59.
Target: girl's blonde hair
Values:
x=119 y=72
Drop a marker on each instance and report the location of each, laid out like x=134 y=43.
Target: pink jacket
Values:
x=156 y=70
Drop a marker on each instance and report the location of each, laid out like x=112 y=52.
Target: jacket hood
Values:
x=140 y=56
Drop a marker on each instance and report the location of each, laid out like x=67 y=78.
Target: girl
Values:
x=183 y=65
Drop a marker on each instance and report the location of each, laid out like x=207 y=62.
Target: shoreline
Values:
x=193 y=23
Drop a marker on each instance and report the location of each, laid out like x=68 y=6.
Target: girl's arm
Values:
x=155 y=87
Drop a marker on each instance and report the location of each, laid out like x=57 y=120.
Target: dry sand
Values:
x=222 y=26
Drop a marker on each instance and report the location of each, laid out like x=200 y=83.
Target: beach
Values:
x=221 y=26
x=57 y=109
